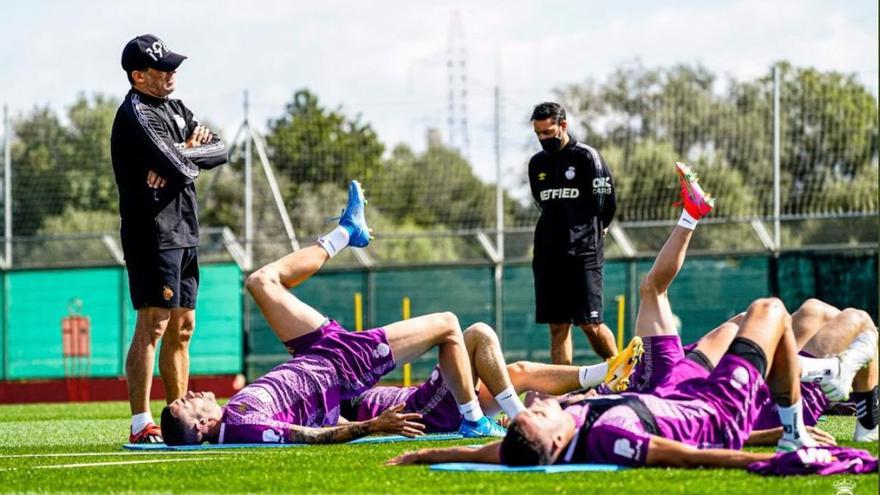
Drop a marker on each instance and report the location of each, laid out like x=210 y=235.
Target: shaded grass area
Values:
x=76 y=448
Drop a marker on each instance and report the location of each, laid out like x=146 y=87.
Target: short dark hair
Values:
x=549 y=110
x=128 y=75
x=173 y=429
x=518 y=450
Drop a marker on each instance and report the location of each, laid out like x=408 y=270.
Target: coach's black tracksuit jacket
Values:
x=575 y=193
x=149 y=134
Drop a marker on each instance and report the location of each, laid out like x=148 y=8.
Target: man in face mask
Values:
x=574 y=191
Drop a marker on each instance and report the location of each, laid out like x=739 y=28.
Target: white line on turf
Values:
x=108 y=454
x=99 y=464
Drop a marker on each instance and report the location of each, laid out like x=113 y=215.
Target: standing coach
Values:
x=574 y=191
x=158 y=148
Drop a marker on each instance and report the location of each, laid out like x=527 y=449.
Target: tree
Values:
x=73 y=250
x=87 y=166
x=59 y=168
x=830 y=124
x=38 y=182
x=435 y=189
x=829 y=134
x=310 y=144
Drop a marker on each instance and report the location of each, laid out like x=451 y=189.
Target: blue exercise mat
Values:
x=500 y=468
x=212 y=446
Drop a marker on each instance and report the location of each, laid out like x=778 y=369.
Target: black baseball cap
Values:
x=148 y=51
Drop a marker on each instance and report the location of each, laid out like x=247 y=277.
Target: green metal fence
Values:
x=709 y=290
x=36 y=301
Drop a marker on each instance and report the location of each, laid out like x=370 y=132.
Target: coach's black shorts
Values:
x=168 y=278
x=568 y=289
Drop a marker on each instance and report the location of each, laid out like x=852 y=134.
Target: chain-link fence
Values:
x=814 y=133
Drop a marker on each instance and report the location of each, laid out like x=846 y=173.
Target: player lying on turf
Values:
x=696 y=422
x=433 y=401
x=829 y=332
x=813 y=325
x=846 y=343
x=295 y=399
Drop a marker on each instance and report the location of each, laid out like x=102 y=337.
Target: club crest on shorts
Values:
x=167 y=293
x=569 y=174
x=740 y=377
x=381 y=350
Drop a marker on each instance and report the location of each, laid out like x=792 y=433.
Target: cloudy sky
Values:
x=387 y=60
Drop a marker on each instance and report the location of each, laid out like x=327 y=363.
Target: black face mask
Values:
x=551 y=145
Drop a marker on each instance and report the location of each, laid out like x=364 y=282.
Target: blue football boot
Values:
x=483 y=427
x=352 y=218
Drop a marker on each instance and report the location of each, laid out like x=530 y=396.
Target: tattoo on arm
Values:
x=333 y=434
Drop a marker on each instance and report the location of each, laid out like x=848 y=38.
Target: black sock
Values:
x=867 y=407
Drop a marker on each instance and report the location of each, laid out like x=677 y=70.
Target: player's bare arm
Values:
x=392 y=420
x=671 y=453
x=771 y=436
x=488 y=454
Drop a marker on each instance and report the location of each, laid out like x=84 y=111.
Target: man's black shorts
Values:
x=568 y=289
x=168 y=278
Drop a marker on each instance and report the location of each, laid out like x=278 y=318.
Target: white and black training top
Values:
x=575 y=193
x=149 y=134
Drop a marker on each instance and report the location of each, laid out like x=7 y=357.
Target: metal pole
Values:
x=276 y=191
x=7 y=188
x=248 y=189
x=776 y=206
x=499 y=221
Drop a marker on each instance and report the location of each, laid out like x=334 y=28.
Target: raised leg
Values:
x=411 y=338
x=838 y=332
x=288 y=316
x=766 y=331
x=714 y=344
x=809 y=318
x=489 y=368
x=655 y=314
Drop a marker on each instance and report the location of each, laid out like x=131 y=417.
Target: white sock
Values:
x=793 y=428
x=687 y=221
x=472 y=410
x=592 y=376
x=140 y=421
x=334 y=241
x=815 y=368
x=509 y=402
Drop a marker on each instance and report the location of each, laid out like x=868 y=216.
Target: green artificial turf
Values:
x=51 y=436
